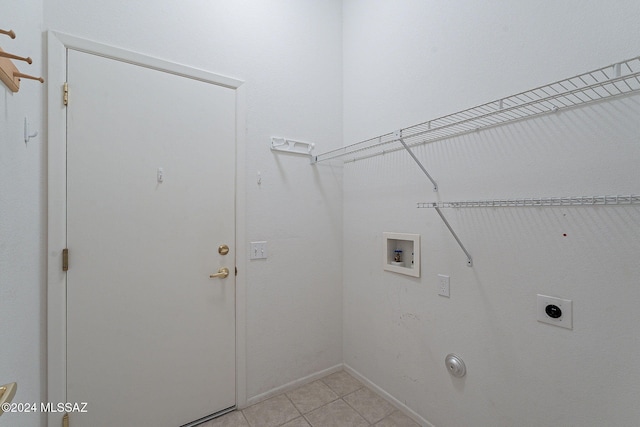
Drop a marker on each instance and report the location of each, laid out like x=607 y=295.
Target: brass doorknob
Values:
x=7 y=392
x=222 y=273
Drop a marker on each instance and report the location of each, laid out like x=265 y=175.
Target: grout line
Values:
x=333 y=401
x=294 y=384
x=294 y=405
x=304 y=415
x=336 y=392
x=307 y=419
x=386 y=396
x=357 y=412
x=245 y=418
x=321 y=379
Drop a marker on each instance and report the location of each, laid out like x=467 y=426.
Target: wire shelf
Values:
x=538 y=202
x=607 y=82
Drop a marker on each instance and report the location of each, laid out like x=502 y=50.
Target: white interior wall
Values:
x=397 y=60
x=291 y=297
x=408 y=62
x=289 y=55
x=23 y=213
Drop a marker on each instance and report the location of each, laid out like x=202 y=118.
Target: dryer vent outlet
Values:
x=455 y=365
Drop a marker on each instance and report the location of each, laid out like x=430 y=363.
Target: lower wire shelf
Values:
x=538 y=202
x=617 y=200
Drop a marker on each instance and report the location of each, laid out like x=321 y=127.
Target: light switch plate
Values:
x=258 y=250
x=443 y=285
x=555 y=311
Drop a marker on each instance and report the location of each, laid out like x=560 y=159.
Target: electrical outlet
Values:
x=555 y=311
x=443 y=285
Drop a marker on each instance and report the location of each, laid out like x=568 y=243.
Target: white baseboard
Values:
x=386 y=396
x=292 y=385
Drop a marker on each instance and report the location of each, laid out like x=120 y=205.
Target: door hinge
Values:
x=65 y=93
x=65 y=420
x=65 y=259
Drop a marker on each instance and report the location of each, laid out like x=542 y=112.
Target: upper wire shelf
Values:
x=535 y=202
x=614 y=80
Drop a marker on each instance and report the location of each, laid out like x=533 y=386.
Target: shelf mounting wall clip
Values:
x=398 y=134
x=293 y=147
x=27 y=135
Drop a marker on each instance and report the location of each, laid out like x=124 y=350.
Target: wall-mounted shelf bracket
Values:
x=455 y=236
x=292 y=147
x=398 y=134
x=8 y=74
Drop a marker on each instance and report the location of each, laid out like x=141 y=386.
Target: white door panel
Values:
x=150 y=337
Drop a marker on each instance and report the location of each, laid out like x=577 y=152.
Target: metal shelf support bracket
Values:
x=398 y=134
x=455 y=236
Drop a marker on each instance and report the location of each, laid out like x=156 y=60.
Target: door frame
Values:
x=57 y=46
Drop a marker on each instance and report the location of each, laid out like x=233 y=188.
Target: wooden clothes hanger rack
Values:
x=9 y=73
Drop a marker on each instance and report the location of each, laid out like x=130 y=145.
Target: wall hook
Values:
x=28 y=136
x=27 y=59
x=10 y=33
x=27 y=76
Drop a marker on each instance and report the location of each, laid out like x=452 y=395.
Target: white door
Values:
x=150 y=198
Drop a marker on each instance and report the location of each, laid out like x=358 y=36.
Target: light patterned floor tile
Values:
x=342 y=383
x=271 y=413
x=371 y=406
x=298 y=422
x=232 y=419
x=311 y=396
x=303 y=407
x=397 y=419
x=336 y=414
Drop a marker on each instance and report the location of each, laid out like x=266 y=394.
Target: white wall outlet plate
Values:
x=555 y=311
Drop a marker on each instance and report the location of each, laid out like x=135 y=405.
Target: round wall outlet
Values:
x=555 y=311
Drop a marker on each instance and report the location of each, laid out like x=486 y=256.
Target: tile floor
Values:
x=337 y=400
